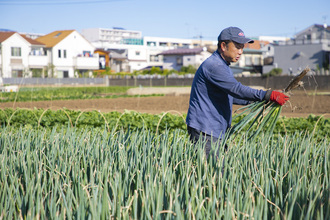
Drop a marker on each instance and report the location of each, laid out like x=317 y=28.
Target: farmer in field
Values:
x=214 y=91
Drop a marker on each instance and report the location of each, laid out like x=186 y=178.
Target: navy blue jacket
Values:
x=214 y=91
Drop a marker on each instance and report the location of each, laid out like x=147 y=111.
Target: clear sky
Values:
x=171 y=18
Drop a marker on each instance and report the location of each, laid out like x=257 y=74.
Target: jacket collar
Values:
x=219 y=55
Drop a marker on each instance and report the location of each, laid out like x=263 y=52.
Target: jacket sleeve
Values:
x=223 y=78
x=241 y=101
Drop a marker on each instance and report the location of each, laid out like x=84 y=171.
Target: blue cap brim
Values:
x=242 y=40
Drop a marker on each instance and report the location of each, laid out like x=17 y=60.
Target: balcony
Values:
x=87 y=62
x=38 y=61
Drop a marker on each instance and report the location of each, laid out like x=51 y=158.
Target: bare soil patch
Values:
x=301 y=104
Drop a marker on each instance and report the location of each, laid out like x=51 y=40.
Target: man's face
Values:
x=232 y=51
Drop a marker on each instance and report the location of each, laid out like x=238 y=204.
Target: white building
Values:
x=273 y=39
x=69 y=53
x=112 y=36
x=32 y=35
x=58 y=54
x=141 y=52
x=178 y=58
x=20 y=56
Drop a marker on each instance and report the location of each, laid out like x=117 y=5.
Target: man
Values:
x=214 y=91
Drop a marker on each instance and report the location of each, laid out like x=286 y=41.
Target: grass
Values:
x=318 y=93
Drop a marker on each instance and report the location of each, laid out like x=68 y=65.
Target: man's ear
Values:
x=223 y=46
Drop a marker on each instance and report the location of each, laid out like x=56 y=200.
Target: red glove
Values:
x=278 y=97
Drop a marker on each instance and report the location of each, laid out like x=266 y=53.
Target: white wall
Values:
x=75 y=45
x=91 y=34
x=7 y=66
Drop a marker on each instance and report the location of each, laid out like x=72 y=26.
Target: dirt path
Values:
x=302 y=104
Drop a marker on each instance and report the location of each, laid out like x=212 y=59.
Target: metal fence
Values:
x=320 y=82
x=54 y=81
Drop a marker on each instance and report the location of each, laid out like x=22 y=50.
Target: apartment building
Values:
x=112 y=36
x=136 y=52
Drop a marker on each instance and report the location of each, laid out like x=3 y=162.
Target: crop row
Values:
x=131 y=120
x=63 y=93
x=93 y=174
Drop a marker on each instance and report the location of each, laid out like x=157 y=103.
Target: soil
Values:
x=301 y=104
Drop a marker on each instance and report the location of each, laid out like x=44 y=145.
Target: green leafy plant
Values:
x=273 y=72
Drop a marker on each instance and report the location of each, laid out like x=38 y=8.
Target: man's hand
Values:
x=278 y=97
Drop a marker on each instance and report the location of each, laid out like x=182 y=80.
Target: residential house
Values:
x=103 y=60
x=310 y=47
x=70 y=54
x=21 y=56
x=129 y=51
x=253 y=57
x=251 y=61
x=118 y=60
x=177 y=58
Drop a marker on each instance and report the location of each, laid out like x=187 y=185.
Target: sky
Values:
x=189 y=19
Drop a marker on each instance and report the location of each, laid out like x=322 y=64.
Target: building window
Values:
x=36 y=72
x=175 y=44
x=87 y=53
x=64 y=53
x=151 y=43
x=17 y=73
x=179 y=61
x=248 y=61
x=16 y=51
x=154 y=58
x=59 y=53
x=137 y=53
x=257 y=61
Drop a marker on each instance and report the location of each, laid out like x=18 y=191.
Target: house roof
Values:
x=5 y=35
x=118 y=54
x=323 y=26
x=32 y=41
x=50 y=40
x=182 y=51
x=101 y=50
x=257 y=45
x=314 y=25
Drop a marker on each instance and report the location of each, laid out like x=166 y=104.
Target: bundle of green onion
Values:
x=263 y=114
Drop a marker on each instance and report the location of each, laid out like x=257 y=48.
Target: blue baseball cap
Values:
x=234 y=34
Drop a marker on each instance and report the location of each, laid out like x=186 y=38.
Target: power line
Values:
x=67 y=2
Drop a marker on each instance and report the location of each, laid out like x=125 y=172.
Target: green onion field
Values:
x=140 y=173
x=65 y=164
